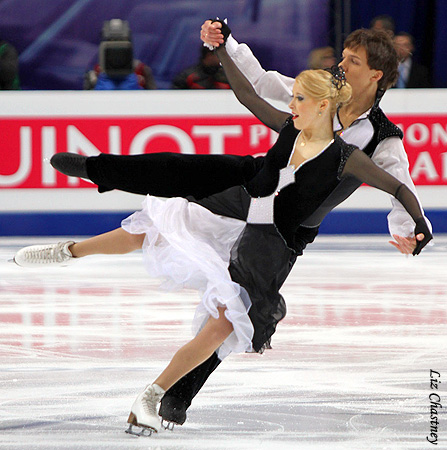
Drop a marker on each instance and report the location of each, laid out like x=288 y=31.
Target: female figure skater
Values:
x=370 y=64
x=237 y=246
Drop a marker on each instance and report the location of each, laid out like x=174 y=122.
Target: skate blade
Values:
x=145 y=431
x=168 y=425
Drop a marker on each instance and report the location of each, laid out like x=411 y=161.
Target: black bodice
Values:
x=315 y=179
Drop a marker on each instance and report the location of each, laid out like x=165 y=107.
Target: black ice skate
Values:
x=172 y=411
x=70 y=164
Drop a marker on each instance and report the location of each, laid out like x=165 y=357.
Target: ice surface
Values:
x=349 y=369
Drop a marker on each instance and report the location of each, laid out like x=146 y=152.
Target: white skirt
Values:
x=190 y=247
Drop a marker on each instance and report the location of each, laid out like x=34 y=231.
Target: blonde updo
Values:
x=318 y=85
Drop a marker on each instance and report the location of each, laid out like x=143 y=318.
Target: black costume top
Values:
x=315 y=180
x=264 y=254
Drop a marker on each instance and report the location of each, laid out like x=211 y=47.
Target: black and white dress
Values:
x=237 y=246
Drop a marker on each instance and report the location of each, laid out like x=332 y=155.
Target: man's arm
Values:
x=390 y=155
x=361 y=167
x=272 y=85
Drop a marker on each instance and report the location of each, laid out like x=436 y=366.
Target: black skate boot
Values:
x=70 y=164
x=173 y=411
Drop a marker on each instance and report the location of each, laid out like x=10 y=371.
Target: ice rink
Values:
x=350 y=366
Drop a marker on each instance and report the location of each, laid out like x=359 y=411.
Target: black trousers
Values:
x=188 y=386
x=171 y=174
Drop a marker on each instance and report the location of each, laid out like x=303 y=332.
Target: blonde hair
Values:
x=319 y=85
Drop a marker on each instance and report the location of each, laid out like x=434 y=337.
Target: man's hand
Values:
x=406 y=245
x=210 y=33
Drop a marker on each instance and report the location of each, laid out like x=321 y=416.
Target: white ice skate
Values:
x=143 y=413
x=45 y=255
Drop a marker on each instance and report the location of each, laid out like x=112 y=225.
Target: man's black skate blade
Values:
x=141 y=433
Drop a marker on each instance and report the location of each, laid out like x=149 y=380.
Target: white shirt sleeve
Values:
x=390 y=155
x=271 y=84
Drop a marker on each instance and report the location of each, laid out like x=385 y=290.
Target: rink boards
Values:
x=35 y=200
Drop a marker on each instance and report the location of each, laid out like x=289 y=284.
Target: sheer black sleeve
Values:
x=266 y=113
x=356 y=163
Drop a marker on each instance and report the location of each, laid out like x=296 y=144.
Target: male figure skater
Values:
x=370 y=63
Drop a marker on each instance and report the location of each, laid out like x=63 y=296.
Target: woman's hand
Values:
x=211 y=33
x=414 y=245
x=405 y=245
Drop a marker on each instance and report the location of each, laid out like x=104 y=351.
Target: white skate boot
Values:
x=143 y=413
x=45 y=255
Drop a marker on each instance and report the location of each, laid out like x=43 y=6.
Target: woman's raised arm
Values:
x=266 y=113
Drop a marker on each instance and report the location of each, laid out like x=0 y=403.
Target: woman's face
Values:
x=304 y=108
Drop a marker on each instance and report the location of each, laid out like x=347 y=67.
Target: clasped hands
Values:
x=210 y=33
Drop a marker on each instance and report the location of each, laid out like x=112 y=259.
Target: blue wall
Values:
x=58 y=40
x=425 y=20
x=87 y=224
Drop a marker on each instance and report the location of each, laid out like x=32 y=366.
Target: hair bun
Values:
x=338 y=76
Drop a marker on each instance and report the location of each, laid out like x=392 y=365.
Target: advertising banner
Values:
x=34 y=126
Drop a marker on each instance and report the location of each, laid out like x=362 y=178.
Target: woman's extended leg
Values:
x=114 y=242
x=144 y=410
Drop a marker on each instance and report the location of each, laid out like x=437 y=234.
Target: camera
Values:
x=115 y=49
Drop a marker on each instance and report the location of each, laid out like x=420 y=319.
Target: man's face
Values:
x=355 y=64
x=403 y=47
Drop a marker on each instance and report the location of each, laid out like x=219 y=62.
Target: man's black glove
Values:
x=421 y=227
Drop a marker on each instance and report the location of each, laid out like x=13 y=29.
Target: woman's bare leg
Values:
x=116 y=242
x=197 y=350
x=144 y=410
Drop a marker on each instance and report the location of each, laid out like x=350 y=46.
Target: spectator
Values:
x=206 y=74
x=9 y=67
x=383 y=22
x=321 y=58
x=117 y=69
x=411 y=74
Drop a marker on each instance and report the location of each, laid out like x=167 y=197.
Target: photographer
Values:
x=117 y=69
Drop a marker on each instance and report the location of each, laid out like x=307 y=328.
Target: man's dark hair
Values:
x=380 y=53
